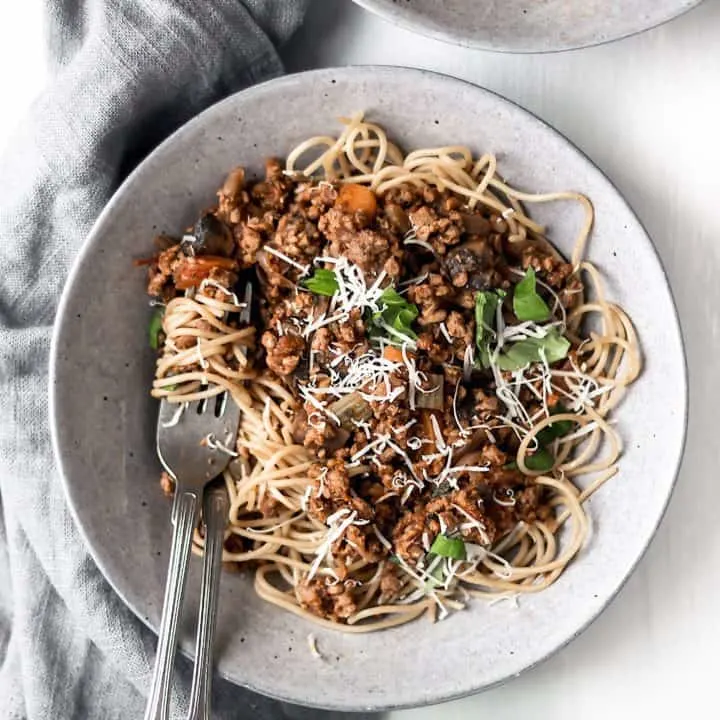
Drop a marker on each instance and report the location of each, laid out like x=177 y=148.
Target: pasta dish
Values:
x=426 y=385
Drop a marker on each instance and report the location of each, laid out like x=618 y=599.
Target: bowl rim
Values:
x=396 y=15
x=95 y=233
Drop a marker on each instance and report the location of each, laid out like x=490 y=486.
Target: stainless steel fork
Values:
x=216 y=505
x=187 y=447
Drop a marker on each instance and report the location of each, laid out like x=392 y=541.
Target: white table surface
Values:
x=647 y=111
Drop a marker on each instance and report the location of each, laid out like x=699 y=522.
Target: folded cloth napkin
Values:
x=126 y=73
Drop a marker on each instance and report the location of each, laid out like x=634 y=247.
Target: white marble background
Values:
x=647 y=111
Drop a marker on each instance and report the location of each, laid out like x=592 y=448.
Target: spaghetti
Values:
x=362 y=494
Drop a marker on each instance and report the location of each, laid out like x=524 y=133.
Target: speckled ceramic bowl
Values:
x=104 y=419
x=528 y=25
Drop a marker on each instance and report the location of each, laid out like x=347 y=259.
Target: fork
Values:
x=192 y=462
x=215 y=514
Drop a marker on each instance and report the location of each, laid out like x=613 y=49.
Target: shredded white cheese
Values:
x=304 y=269
x=421 y=243
x=213 y=283
x=214 y=444
x=175 y=419
x=445 y=332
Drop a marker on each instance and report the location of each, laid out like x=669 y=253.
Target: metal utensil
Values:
x=186 y=449
x=215 y=512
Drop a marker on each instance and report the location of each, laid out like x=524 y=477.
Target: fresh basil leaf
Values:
x=448 y=547
x=390 y=297
x=527 y=304
x=395 y=313
x=555 y=430
x=486 y=304
x=155 y=328
x=436 y=577
x=322 y=282
x=540 y=461
x=524 y=352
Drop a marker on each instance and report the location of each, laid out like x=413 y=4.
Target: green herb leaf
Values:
x=554 y=346
x=437 y=575
x=527 y=304
x=486 y=304
x=155 y=328
x=541 y=461
x=555 y=430
x=390 y=297
x=322 y=282
x=448 y=547
x=395 y=313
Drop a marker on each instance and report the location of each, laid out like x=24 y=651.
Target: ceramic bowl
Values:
x=104 y=420
x=522 y=26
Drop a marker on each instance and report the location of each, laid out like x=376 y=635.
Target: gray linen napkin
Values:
x=126 y=73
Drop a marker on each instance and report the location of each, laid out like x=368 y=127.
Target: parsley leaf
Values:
x=527 y=304
x=323 y=282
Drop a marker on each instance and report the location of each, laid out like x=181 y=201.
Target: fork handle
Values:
x=185 y=509
x=215 y=511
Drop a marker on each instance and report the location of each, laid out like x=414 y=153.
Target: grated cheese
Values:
x=214 y=444
x=445 y=332
x=383 y=540
x=207 y=282
x=473 y=523
x=468 y=362
x=469 y=468
x=175 y=419
x=321 y=481
x=508 y=501
x=337 y=523
x=416 y=280
x=406 y=494
x=304 y=269
x=421 y=243
x=512 y=598
x=439 y=439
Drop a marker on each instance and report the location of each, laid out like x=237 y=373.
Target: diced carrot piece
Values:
x=194 y=270
x=357 y=198
x=392 y=354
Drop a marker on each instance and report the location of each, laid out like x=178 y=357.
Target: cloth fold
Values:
x=126 y=73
